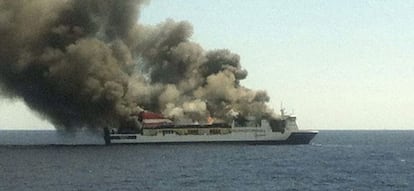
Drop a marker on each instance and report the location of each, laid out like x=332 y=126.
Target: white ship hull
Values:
x=155 y=132
x=305 y=138
x=243 y=135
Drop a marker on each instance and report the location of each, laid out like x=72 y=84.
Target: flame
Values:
x=210 y=120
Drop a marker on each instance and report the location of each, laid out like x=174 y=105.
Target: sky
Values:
x=334 y=64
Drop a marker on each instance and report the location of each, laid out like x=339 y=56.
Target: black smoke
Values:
x=90 y=63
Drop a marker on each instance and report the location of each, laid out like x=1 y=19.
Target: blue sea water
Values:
x=335 y=160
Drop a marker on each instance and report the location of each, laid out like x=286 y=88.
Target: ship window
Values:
x=167 y=132
x=192 y=132
x=215 y=131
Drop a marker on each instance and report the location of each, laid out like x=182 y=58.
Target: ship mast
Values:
x=282 y=110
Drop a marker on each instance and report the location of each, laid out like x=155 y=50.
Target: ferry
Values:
x=156 y=129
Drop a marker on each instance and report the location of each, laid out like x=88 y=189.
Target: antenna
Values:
x=282 y=110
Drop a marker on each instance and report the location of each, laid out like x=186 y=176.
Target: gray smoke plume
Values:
x=89 y=63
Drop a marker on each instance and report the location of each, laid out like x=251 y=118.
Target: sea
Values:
x=335 y=160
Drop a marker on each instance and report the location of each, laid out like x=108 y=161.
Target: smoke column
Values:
x=89 y=63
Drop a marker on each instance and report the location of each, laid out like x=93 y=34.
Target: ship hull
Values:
x=292 y=138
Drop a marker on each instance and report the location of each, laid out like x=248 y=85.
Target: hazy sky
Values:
x=335 y=64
